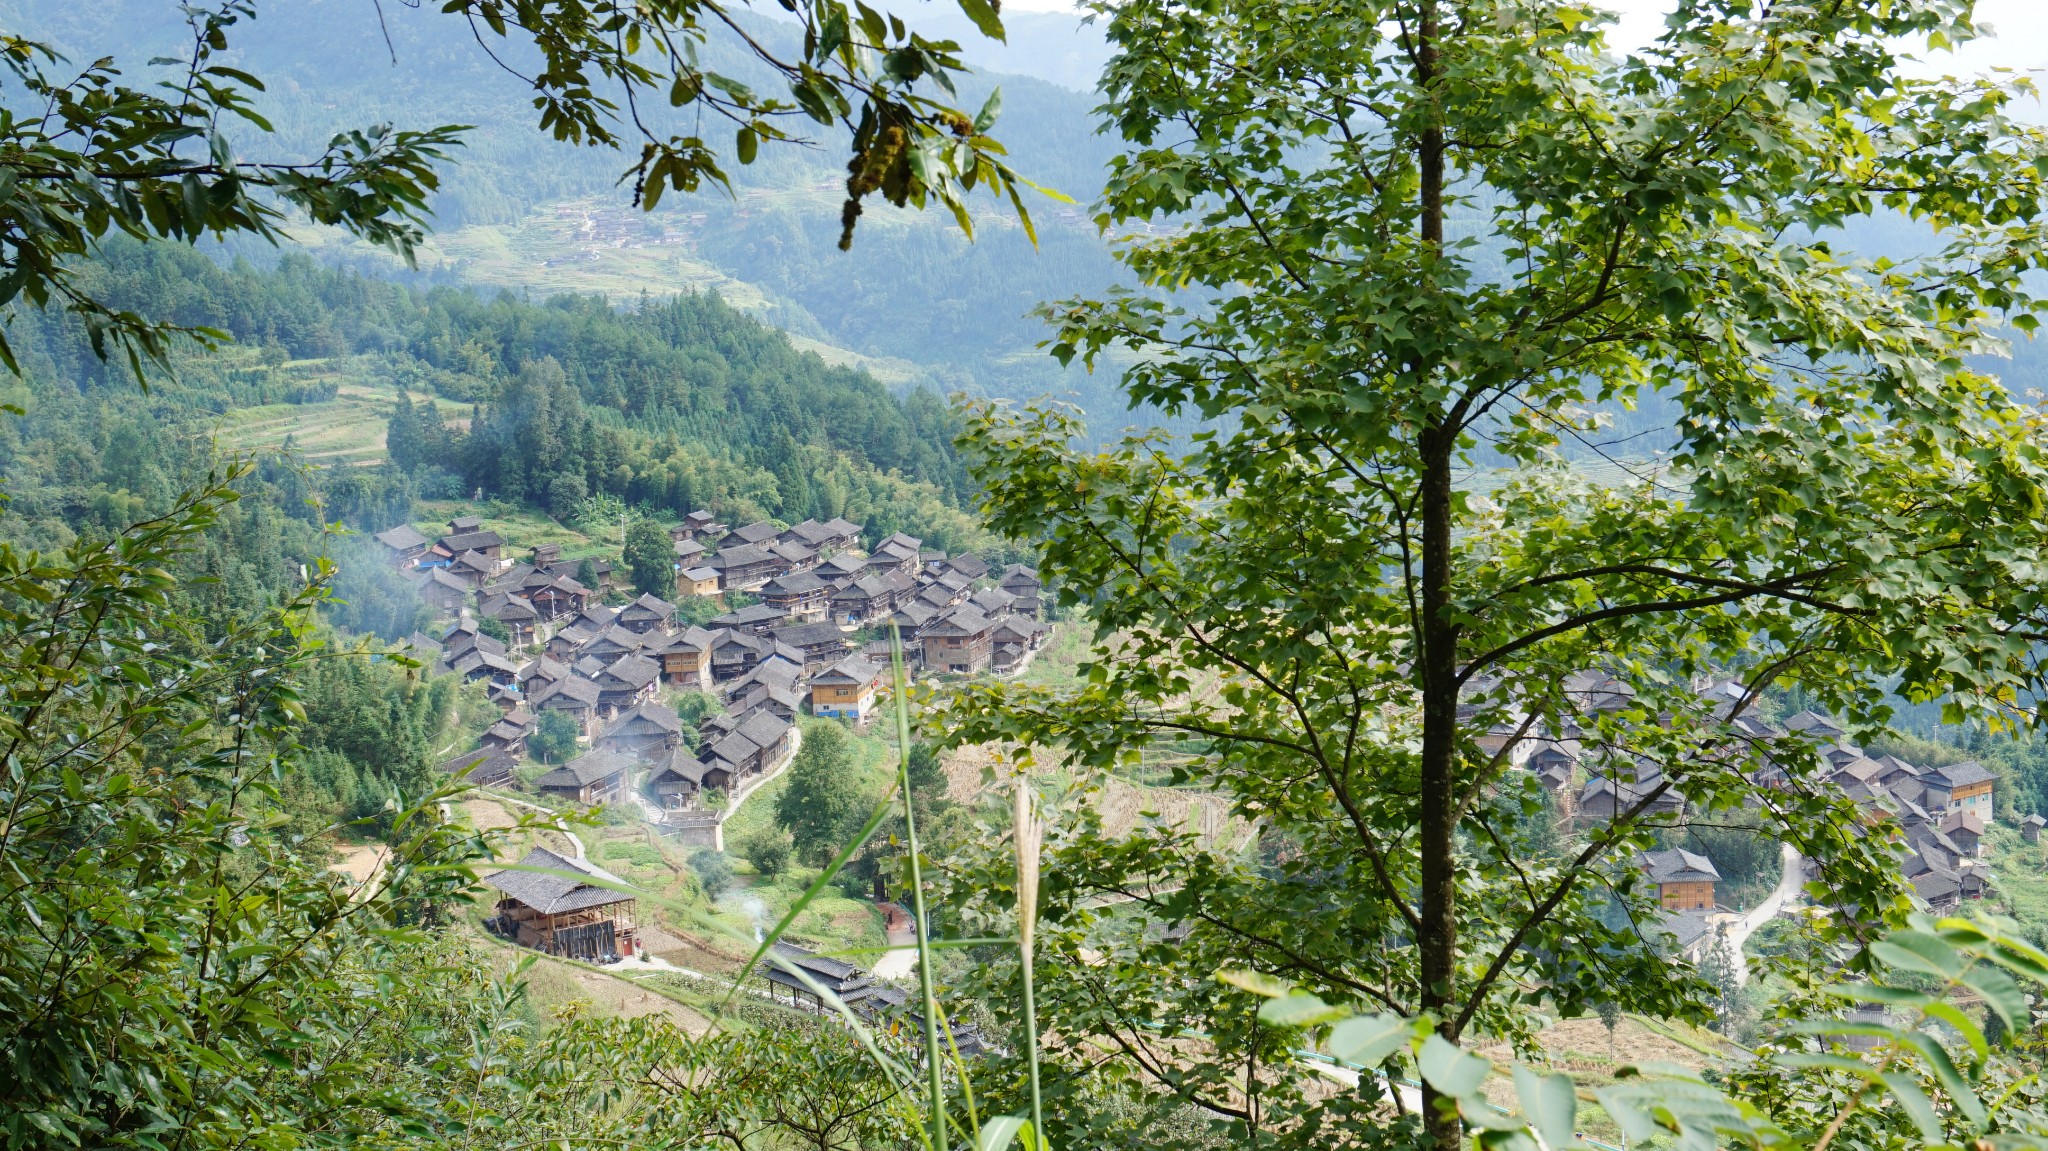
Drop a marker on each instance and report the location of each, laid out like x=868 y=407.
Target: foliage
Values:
x=1415 y=245
x=177 y=958
x=780 y=1083
x=713 y=869
x=95 y=157
x=768 y=848
x=827 y=796
x=1913 y=1086
x=651 y=557
x=554 y=736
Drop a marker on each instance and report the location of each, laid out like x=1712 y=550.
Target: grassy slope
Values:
x=620 y=255
x=348 y=429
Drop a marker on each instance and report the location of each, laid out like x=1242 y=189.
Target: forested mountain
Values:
x=911 y=287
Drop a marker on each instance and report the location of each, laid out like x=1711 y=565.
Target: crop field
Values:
x=346 y=430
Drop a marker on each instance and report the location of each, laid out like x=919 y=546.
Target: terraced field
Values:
x=346 y=430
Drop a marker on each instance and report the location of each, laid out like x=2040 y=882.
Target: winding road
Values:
x=1737 y=934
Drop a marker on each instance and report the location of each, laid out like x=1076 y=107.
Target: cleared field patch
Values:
x=346 y=430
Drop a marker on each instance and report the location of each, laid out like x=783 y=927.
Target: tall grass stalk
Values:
x=1028 y=837
x=934 y=1083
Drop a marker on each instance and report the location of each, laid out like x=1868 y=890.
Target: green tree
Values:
x=160 y=916
x=495 y=628
x=1421 y=252
x=651 y=557
x=769 y=848
x=826 y=798
x=554 y=736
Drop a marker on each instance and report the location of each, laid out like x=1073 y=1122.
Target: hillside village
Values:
x=1942 y=813
x=796 y=621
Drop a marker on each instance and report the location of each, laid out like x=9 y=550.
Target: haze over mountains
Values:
x=913 y=290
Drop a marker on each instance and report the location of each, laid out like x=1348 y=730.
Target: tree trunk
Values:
x=1437 y=946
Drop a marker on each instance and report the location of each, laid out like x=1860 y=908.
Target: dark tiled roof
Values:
x=552 y=893
x=806 y=635
x=1678 y=866
x=654 y=715
x=467 y=541
x=1963 y=774
x=571 y=689
x=402 y=538
x=585 y=769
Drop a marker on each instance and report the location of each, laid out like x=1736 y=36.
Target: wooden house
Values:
x=485 y=767
x=648 y=614
x=681 y=780
x=834 y=535
x=403 y=545
x=1969 y=788
x=758 y=532
x=909 y=620
x=517 y=613
x=647 y=732
x=757 y=745
x=1022 y=583
x=593 y=778
x=823 y=644
x=847 y=689
x=754 y=619
x=1685 y=881
x=735 y=653
x=473 y=568
x=627 y=682
x=960 y=642
x=1014 y=639
x=793 y=556
x=477 y=664
x=848 y=983
x=486 y=543
x=744 y=567
x=549 y=903
x=508 y=736
x=782 y=701
x=992 y=602
x=967 y=564
x=1965 y=830
x=843 y=566
x=801 y=595
x=863 y=601
x=689 y=553
x=441 y=591
x=616 y=641
x=1604 y=796
x=696 y=526
x=576 y=696
x=686 y=658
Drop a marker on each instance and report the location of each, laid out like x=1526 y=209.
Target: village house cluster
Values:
x=1942 y=812
x=604 y=666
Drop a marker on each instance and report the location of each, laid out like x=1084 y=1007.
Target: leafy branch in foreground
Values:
x=1410 y=257
x=176 y=958
x=1915 y=1072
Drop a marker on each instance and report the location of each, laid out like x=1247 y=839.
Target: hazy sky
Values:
x=2021 y=26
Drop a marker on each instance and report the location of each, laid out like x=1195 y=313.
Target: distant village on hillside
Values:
x=1941 y=812
x=808 y=591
